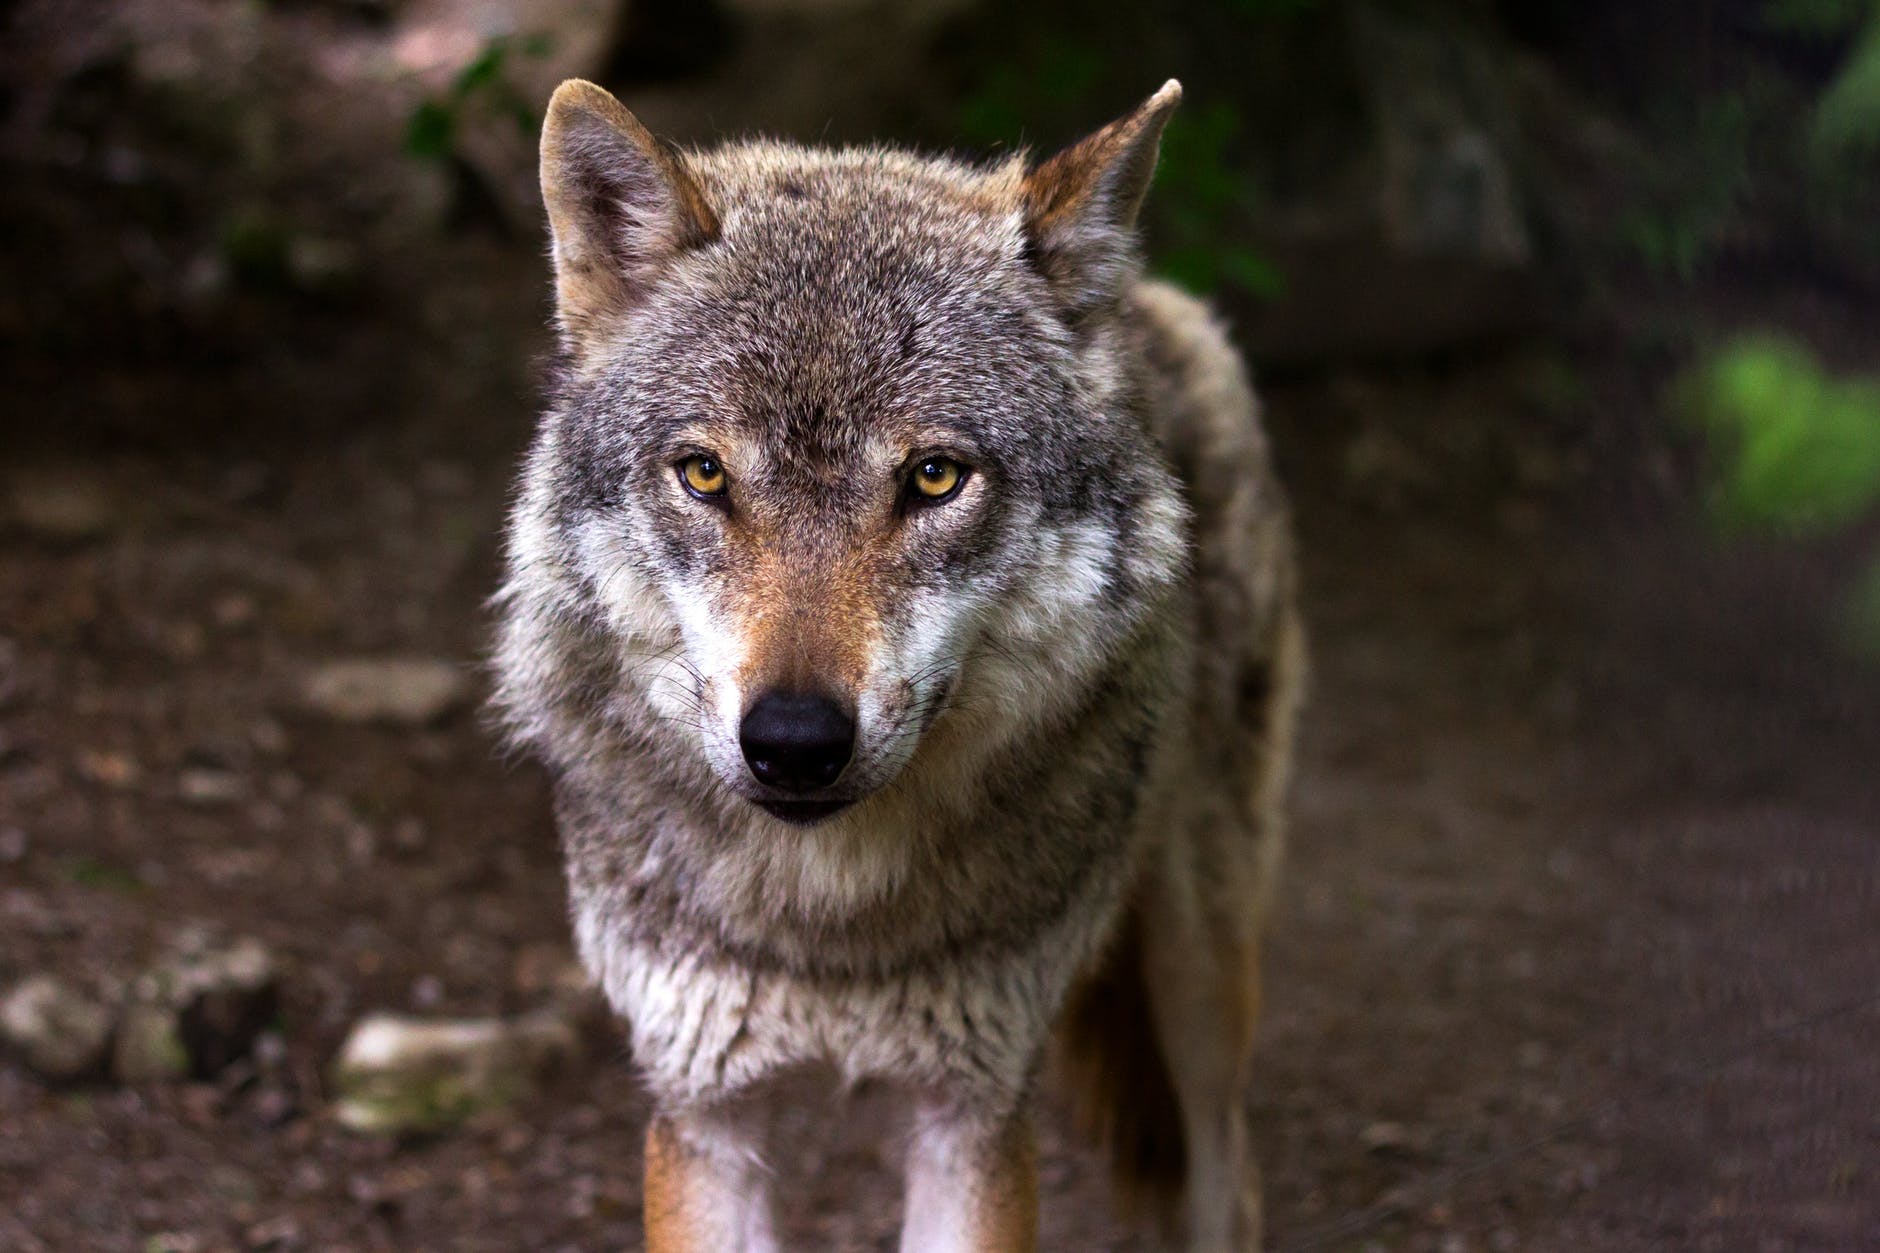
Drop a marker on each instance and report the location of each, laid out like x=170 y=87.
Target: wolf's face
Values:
x=842 y=442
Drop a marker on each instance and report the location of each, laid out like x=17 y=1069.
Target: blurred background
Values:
x=1567 y=317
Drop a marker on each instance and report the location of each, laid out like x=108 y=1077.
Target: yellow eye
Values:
x=937 y=478
x=702 y=476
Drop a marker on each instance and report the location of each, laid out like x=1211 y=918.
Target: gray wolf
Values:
x=901 y=597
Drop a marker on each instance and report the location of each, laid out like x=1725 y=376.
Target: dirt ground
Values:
x=1579 y=942
x=1583 y=839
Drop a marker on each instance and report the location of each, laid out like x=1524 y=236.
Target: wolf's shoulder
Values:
x=1201 y=401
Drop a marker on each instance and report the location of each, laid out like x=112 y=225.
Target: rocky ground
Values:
x=1560 y=876
x=1577 y=939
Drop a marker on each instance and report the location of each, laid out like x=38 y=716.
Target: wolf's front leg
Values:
x=972 y=1184
x=707 y=1189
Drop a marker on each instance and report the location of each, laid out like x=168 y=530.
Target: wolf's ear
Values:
x=1081 y=205
x=620 y=205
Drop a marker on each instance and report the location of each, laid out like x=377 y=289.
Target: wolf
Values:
x=901 y=597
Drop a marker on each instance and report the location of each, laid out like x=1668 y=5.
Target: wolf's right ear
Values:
x=620 y=205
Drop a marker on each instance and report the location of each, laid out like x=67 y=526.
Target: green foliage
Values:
x=90 y=872
x=1271 y=9
x=483 y=85
x=1771 y=156
x=1860 y=619
x=1847 y=118
x=1013 y=96
x=1816 y=17
x=1203 y=198
x=1694 y=195
x=255 y=245
x=1798 y=453
x=1799 y=447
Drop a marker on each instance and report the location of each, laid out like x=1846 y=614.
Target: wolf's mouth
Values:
x=804 y=813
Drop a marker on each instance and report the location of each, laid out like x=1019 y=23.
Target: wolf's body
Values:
x=1069 y=684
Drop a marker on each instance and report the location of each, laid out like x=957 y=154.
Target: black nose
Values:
x=796 y=743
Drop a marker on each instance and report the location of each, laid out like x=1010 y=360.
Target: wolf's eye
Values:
x=937 y=478
x=702 y=476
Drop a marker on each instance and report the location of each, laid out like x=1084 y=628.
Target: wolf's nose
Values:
x=796 y=743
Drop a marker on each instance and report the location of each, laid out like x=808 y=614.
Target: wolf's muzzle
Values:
x=796 y=743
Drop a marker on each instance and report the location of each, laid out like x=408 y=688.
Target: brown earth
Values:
x=1561 y=878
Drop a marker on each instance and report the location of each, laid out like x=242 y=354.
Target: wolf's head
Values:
x=844 y=441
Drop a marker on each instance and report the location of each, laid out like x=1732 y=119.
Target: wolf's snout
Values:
x=797 y=743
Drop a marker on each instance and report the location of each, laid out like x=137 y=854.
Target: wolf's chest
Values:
x=703 y=1028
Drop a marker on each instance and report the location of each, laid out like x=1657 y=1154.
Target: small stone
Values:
x=173 y=1242
x=273 y=1106
x=149 y=1046
x=268 y=736
x=399 y=1075
x=551 y=971
x=207 y=788
x=323 y=267
x=109 y=769
x=60 y=504
x=1387 y=1139
x=446 y=478
x=248 y=482
x=197 y=1011
x=57 y=1029
x=234 y=611
x=13 y=845
x=270 y=1050
x=409 y=836
x=1382 y=471
x=274 y=1233
x=402 y=691
x=427 y=992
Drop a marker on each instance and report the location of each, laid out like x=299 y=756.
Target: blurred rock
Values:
x=1443 y=109
x=1408 y=216
x=1392 y=1139
x=56 y=1028
x=403 y=691
x=1382 y=471
x=329 y=268
x=208 y=788
x=108 y=768
x=149 y=1046
x=60 y=504
x=399 y=1075
x=551 y=971
x=198 y=1010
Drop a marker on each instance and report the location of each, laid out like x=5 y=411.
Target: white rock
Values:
x=404 y=691
x=55 y=1028
x=398 y=1074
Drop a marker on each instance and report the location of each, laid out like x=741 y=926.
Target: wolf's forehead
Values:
x=834 y=317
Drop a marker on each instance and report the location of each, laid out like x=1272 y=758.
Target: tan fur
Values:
x=1005 y=1216
x=975 y=1191
x=670 y=1201
x=1117 y=161
x=807 y=627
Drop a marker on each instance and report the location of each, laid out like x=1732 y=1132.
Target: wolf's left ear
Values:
x=1081 y=205
x=621 y=204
